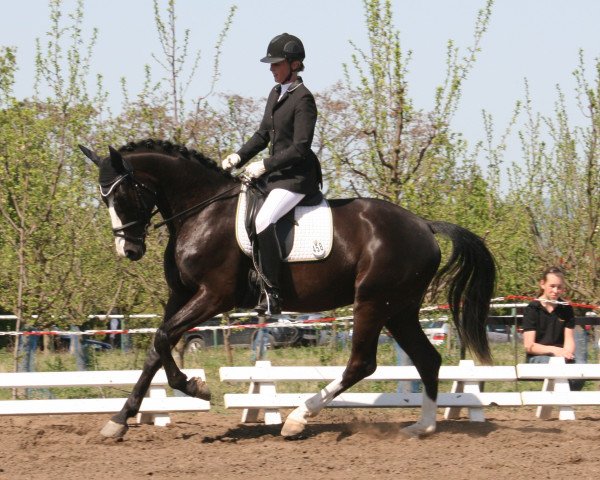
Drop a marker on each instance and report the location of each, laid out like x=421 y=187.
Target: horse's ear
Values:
x=90 y=154
x=120 y=164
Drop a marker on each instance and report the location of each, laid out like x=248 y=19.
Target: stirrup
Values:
x=269 y=304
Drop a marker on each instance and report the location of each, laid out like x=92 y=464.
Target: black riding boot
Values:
x=270 y=263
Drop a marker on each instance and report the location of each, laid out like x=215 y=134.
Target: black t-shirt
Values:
x=549 y=327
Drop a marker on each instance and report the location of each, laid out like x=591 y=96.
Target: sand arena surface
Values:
x=338 y=444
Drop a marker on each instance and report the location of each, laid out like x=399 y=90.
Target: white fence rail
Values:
x=155 y=407
x=556 y=391
x=466 y=391
x=263 y=378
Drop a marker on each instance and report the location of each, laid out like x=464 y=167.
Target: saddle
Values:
x=305 y=233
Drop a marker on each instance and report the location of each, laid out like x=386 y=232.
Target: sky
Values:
x=537 y=40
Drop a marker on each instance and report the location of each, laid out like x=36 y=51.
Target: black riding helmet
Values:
x=284 y=47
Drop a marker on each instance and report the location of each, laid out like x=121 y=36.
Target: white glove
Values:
x=255 y=169
x=230 y=161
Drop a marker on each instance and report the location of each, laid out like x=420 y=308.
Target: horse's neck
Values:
x=188 y=185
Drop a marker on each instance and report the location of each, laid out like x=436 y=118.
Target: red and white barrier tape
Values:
x=318 y=322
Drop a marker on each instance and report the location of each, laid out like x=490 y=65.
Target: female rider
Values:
x=292 y=170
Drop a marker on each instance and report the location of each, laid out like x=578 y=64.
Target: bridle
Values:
x=145 y=211
x=148 y=212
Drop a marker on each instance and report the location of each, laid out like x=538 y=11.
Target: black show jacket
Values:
x=287 y=127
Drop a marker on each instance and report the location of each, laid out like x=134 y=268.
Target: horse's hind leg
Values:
x=362 y=363
x=407 y=331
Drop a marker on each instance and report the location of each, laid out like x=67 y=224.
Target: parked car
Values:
x=322 y=334
x=498 y=333
x=436 y=330
x=279 y=334
x=309 y=334
x=499 y=329
x=64 y=343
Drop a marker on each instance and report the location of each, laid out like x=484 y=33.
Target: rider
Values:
x=292 y=170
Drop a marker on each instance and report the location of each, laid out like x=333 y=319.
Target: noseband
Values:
x=142 y=207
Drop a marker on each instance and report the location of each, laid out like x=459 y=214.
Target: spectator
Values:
x=548 y=323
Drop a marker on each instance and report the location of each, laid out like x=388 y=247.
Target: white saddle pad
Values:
x=313 y=234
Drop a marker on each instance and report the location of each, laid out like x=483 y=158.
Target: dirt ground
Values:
x=338 y=444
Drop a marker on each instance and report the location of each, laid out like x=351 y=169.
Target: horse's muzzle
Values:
x=134 y=252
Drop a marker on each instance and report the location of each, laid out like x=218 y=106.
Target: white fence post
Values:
x=556 y=385
x=475 y=413
x=272 y=416
x=158 y=419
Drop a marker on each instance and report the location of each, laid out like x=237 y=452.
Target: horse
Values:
x=383 y=260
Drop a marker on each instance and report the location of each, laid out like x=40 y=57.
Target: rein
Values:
x=198 y=206
x=138 y=187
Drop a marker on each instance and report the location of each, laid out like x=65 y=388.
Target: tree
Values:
x=46 y=205
x=395 y=148
x=559 y=186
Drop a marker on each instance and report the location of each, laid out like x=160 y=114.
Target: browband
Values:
x=106 y=190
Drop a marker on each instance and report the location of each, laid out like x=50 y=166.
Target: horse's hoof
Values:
x=114 y=430
x=292 y=427
x=417 y=430
x=198 y=388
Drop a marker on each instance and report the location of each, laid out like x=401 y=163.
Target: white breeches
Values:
x=277 y=204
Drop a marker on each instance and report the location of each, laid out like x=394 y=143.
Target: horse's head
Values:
x=130 y=202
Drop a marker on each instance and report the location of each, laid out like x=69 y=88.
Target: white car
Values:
x=436 y=330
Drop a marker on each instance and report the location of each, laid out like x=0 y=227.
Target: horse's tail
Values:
x=471 y=270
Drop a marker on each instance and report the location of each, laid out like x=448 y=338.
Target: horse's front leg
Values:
x=116 y=427
x=163 y=344
x=169 y=334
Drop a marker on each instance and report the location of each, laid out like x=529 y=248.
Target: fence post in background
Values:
x=76 y=347
x=581 y=347
x=226 y=338
x=27 y=347
x=594 y=335
x=125 y=337
x=514 y=334
x=597 y=343
x=403 y=360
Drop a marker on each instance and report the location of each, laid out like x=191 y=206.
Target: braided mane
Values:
x=171 y=148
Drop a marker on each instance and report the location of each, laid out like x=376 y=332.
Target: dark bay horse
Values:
x=383 y=260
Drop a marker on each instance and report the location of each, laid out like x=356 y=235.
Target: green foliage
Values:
x=380 y=144
x=45 y=204
x=559 y=187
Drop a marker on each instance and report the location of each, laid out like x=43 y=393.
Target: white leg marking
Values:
x=116 y=223
x=113 y=430
x=296 y=421
x=426 y=425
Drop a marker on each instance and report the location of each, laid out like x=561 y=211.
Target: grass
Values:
x=211 y=359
